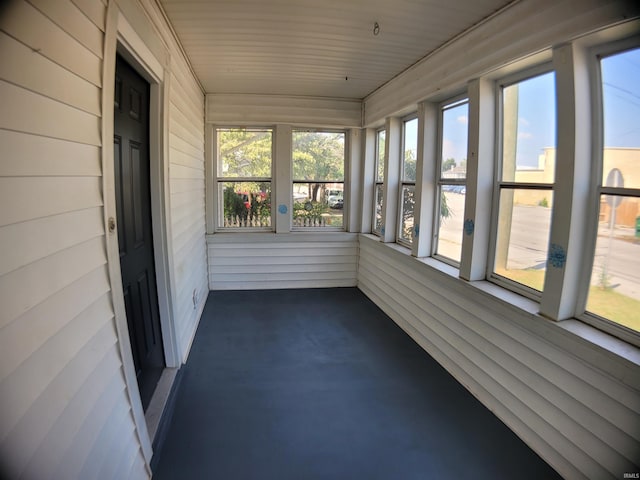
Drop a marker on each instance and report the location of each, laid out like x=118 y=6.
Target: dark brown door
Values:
x=133 y=204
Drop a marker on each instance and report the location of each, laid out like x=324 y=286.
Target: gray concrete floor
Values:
x=321 y=384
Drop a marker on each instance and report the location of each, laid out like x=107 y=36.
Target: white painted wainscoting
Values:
x=576 y=404
x=249 y=261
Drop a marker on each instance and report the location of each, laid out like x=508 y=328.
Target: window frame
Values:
x=403 y=183
x=378 y=184
x=217 y=180
x=451 y=102
x=499 y=184
x=596 y=54
x=345 y=183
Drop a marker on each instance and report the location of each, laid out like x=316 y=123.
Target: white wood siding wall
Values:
x=296 y=260
x=187 y=187
x=65 y=412
x=274 y=109
x=574 y=405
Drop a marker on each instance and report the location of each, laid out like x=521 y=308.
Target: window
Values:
x=244 y=160
x=614 y=292
x=408 y=180
x=452 y=178
x=318 y=179
x=526 y=172
x=379 y=182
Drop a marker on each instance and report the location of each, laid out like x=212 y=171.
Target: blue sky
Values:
x=537 y=115
x=621 y=92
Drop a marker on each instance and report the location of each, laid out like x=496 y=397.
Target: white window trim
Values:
x=511 y=79
x=451 y=102
x=377 y=183
x=216 y=180
x=403 y=182
x=346 y=184
x=594 y=73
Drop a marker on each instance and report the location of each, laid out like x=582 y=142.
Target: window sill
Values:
x=617 y=357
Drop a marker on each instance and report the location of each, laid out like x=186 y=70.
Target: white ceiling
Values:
x=314 y=48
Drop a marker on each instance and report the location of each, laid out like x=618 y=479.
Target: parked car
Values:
x=335 y=201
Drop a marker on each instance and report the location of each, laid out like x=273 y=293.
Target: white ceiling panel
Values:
x=313 y=48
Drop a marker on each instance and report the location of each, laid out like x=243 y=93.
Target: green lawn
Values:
x=604 y=302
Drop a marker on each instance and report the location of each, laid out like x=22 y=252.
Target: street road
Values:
x=530 y=239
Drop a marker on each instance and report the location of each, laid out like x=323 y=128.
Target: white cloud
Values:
x=525 y=135
x=463 y=119
x=452 y=150
x=523 y=121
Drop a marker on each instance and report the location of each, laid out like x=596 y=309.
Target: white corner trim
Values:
x=122 y=38
x=135 y=47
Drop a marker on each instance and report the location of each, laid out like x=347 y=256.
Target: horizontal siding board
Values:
x=510 y=408
x=41 y=75
x=242 y=251
x=94 y=10
x=297 y=260
x=607 y=389
x=36 y=197
x=24 y=240
x=66 y=15
x=270 y=109
x=180 y=158
x=135 y=14
x=120 y=468
x=178 y=185
x=101 y=413
x=599 y=442
x=542 y=330
x=186 y=172
x=177 y=143
x=226 y=262
x=26 y=155
x=188 y=227
x=192 y=229
x=188 y=251
x=275 y=284
x=29 y=112
x=191 y=278
x=286 y=268
x=28 y=25
x=184 y=199
x=110 y=431
x=75 y=414
x=556 y=407
x=193 y=128
x=25 y=335
x=189 y=108
x=182 y=79
x=111 y=453
x=179 y=129
x=187 y=211
x=458 y=364
x=40 y=371
x=187 y=195
x=25 y=288
x=45 y=410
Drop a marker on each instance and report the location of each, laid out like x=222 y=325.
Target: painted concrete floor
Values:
x=321 y=384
